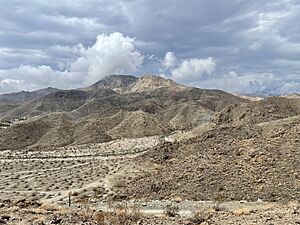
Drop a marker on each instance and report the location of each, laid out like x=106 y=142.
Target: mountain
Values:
x=128 y=84
x=24 y=96
x=150 y=83
x=115 y=107
x=13 y=100
x=118 y=83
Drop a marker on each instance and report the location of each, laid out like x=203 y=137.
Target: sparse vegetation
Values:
x=169 y=148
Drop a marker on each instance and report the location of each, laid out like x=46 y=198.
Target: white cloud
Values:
x=74 y=50
x=193 y=69
x=169 y=60
x=29 y=78
x=186 y=70
x=111 y=54
x=10 y=85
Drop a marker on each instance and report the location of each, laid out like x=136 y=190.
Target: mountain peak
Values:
x=118 y=83
x=151 y=82
x=128 y=83
x=46 y=91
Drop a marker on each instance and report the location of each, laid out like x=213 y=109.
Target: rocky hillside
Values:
x=25 y=96
x=270 y=109
x=129 y=84
x=11 y=101
x=250 y=153
x=150 y=83
x=116 y=107
x=118 y=83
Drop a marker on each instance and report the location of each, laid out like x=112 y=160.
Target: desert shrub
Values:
x=218 y=207
x=200 y=217
x=100 y=217
x=120 y=214
x=171 y=211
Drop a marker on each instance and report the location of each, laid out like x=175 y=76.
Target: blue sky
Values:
x=242 y=46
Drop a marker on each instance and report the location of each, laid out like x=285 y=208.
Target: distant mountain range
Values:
x=116 y=106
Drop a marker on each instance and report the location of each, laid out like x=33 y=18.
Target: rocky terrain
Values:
x=249 y=153
x=13 y=100
x=152 y=141
x=32 y=212
x=142 y=107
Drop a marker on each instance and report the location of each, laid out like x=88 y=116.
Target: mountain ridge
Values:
x=145 y=106
x=40 y=101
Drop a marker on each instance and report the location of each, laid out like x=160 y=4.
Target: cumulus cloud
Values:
x=194 y=69
x=10 y=85
x=169 y=60
x=111 y=54
x=186 y=70
x=30 y=78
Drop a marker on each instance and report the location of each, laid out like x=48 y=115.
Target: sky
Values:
x=250 y=47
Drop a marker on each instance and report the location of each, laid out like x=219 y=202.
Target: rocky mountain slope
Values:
x=25 y=96
x=250 y=152
x=115 y=107
x=13 y=100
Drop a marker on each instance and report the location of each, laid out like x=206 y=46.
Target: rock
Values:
x=241 y=211
x=5 y=217
x=295 y=210
x=259 y=201
x=177 y=199
x=56 y=221
x=39 y=222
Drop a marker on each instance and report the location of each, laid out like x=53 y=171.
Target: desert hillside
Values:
x=116 y=107
x=171 y=150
